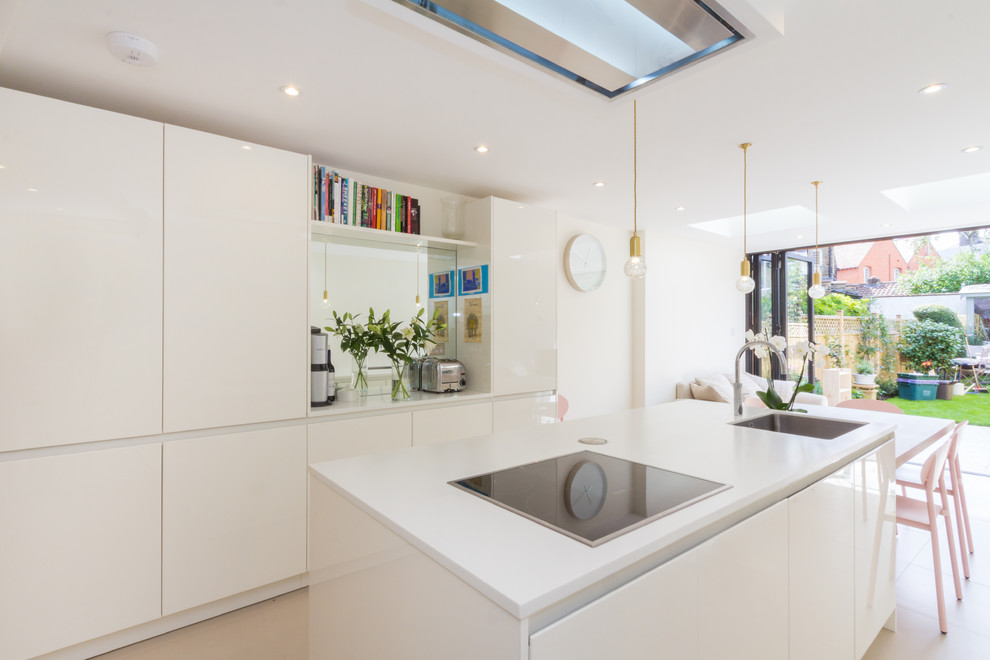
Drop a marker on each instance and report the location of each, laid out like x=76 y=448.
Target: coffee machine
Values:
x=319 y=371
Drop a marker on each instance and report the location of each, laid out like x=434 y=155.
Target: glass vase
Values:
x=401 y=381
x=453 y=220
x=359 y=376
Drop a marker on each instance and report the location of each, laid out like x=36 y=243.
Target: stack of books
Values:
x=345 y=201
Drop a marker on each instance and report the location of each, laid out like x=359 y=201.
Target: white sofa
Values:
x=718 y=387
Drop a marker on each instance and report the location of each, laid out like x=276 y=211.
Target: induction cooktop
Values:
x=588 y=496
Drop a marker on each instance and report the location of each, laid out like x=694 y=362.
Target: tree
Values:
x=950 y=275
x=834 y=303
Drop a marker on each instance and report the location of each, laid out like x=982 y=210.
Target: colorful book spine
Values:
x=343 y=200
x=414 y=217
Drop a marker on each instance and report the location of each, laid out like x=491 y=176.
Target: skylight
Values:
x=764 y=222
x=610 y=46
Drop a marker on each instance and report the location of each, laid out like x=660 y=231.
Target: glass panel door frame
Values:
x=777 y=288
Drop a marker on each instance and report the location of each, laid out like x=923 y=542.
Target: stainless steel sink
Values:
x=798 y=424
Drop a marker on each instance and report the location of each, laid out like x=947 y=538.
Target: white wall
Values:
x=694 y=317
x=594 y=338
x=891 y=306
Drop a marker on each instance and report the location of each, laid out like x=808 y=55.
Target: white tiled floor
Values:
x=278 y=628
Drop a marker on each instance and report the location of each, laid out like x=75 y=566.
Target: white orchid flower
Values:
x=750 y=336
x=780 y=343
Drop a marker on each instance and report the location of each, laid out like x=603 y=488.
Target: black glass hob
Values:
x=588 y=496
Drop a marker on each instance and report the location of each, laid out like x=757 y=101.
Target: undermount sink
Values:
x=812 y=427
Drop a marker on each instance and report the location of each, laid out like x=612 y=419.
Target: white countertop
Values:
x=526 y=567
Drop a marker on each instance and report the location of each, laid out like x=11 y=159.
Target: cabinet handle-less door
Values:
x=236 y=335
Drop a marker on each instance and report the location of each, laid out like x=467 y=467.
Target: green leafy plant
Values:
x=937 y=313
x=402 y=344
x=836 y=351
x=930 y=341
x=865 y=367
x=834 y=303
x=355 y=340
x=949 y=275
x=886 y=386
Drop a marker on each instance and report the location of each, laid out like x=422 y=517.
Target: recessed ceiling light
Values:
x=246 y=147
x=678 y=208
x=289 y=90
x=886 y=224
x=599 y=184
x=32 y=190
x=972 y=149
x=934 y=88
x=481 y=149
x=3 y=167
x=799 y=236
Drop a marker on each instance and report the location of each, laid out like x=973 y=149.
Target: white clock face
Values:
x=584 y=262
x=585 y=490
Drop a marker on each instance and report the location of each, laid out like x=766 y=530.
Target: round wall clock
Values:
x=585 y=490
x=584 y=262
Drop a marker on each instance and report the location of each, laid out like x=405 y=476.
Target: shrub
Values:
x=939 y=314
x=929 y=341
x=834 y=303
x=886 y=387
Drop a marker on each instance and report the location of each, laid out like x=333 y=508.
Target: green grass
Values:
x=974 y=407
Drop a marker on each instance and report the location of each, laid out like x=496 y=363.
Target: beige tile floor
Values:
x=277 y=629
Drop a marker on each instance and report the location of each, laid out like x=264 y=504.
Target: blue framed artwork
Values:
x=472 y=281
x=442 y=284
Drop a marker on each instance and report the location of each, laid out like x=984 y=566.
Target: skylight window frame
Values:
x=444 y=16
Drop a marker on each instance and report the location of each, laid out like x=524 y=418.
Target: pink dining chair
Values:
x=562 y=407
x=924 y=515
x=909 y=476
x=870 y=404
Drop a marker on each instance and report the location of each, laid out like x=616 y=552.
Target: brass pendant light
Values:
x=636 y=266
x=745 y=283
x=816 y=290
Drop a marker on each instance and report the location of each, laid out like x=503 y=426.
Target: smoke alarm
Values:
x=132 y=49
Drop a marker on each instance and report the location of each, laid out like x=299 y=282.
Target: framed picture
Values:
x=472 y=281
x=442 y=284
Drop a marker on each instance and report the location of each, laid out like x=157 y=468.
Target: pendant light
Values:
x=816 y=290
x=636 y=266
x=326 y=296
x=745 y=283
x=418 y=305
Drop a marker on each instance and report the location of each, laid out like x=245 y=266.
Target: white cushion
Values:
x=719 y=383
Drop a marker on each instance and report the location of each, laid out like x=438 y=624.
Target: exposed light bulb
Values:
x=745 y=283
x=816 y=290
x=636 y=266
x=326 y=300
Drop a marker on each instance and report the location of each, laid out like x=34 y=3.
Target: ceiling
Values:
x=823 y=90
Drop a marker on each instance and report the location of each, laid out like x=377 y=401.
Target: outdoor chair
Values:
x=969 y=369
x=925 y=515
x=909 y=476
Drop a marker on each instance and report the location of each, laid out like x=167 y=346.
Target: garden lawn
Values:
x=974 y=407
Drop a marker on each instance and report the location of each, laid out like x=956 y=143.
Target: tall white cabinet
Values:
x=236 y=250
x=80 y=273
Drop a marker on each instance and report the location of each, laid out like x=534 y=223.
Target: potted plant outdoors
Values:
x=401 y=345
x=929 y=346
x=356 y=341
x=865 y=374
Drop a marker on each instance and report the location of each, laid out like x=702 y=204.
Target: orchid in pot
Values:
x=807 y=351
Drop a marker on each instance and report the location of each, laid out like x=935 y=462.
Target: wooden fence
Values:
x=842 y=330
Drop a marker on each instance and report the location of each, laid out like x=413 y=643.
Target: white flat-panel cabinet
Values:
x=452 y=423
x=80 y=547
x=524 y=291
x=523 y=412
x=234 y=514
x=344 y=438
x=821 y=569
x=80 y=273
x=236 y=246
x=742 y=584
x=875 y=528
x=654 y=616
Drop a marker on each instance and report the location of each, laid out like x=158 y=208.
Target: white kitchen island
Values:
x=404 y=565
